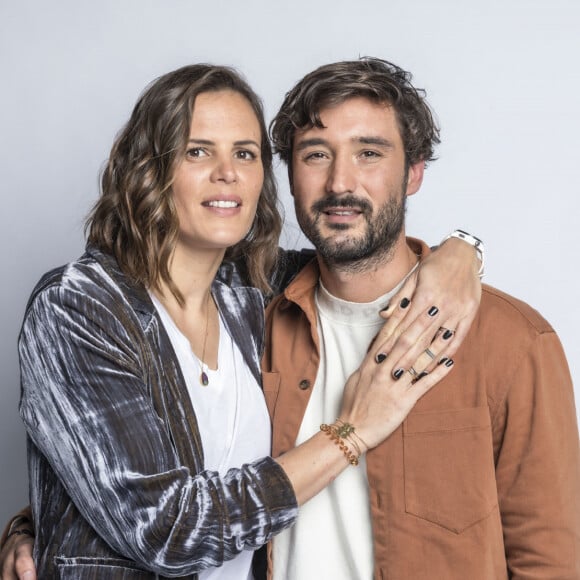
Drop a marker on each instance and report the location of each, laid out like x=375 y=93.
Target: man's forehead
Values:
x=357 y=113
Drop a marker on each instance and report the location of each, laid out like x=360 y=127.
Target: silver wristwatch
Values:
x=472 y=241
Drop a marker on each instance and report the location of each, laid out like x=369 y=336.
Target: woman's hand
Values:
x=440 y=298
x=16 y=561
x=375 y=403
x=376 y=400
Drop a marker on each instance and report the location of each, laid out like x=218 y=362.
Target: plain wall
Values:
x=501 y=75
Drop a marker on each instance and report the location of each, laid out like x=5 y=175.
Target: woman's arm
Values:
x=375 y=403
x=88 y=411
x=449 y=279
x=86 y=407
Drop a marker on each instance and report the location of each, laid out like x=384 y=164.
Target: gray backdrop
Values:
x=502 y=76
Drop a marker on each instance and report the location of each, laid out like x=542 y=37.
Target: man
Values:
x=482 y=480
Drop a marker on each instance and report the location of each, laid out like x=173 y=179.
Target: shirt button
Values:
x=304 y=384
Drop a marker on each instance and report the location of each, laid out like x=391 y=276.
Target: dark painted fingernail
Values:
x=449 y=363
x=381 y=357
x=443 y=360
x=433 y=311
x=384 y=308
x=404 y=303
x=423 y=374
x=447 y=335
x=398 y=373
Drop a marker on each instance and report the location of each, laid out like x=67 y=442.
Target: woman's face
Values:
x=218 y=181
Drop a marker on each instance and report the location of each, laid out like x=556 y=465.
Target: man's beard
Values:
x=364 y=251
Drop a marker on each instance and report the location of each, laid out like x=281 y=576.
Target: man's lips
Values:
x=342 y=211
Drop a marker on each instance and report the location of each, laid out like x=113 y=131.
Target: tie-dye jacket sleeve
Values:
x=102 y=425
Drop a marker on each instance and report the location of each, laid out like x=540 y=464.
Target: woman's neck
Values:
x=197 y=318
x=192 y=272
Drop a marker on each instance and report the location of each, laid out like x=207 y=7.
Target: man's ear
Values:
x=415 y=177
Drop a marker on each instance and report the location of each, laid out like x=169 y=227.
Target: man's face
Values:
x=350 y=182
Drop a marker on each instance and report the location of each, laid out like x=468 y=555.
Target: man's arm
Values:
x=538 y=465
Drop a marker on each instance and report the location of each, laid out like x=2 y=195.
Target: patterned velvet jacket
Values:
x=117 y=478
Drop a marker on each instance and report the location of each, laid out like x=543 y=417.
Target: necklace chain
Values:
x=203 y=377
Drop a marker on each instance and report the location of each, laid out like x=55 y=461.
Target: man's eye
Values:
x=314 y=156
x=370 y=154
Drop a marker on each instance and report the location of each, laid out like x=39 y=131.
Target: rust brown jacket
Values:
x=482 y=480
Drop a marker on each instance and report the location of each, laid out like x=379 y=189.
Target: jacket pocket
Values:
x=449 y=468
x=85 y=568
x=271 y=386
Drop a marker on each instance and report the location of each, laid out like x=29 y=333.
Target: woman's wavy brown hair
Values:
x=135 y=219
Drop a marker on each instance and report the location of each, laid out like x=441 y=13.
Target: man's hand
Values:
x=16 y=561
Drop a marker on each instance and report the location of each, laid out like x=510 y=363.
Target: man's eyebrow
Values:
x=380 y=141
x=370 y=140
x=313 y=142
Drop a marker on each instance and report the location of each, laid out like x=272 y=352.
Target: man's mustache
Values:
x=346 y=201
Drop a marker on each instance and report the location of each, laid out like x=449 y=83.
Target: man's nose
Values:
x=341 y=176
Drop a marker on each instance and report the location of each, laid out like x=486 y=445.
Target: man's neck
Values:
x=367 y=284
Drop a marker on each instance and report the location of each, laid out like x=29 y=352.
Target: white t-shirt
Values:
x=231 y=414
x=332 y=537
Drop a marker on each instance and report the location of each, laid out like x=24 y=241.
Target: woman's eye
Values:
x=195 y=152
x=246 y=155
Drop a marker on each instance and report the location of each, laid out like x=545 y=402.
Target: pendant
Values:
x=204 y=379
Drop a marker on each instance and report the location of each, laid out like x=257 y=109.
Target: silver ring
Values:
x=429 y=354
x=412 y=372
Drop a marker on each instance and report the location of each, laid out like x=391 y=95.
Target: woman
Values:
x=140 y=371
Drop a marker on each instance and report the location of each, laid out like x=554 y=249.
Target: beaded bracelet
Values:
x=352 y=436
x=330 y=430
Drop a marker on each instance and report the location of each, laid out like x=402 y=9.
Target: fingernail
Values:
x=433 y=311
x=404 y=303
x=398 y=373
x=443 y=360
x=449 y=363
x=447 y=335
x=385 y=308
x=380 y=358
x=423 y=374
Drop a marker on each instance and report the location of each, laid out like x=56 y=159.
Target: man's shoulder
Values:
x=507 y=312
x=299 y=292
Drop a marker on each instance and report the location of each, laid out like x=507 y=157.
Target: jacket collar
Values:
x=241 y=309
x=136 y=294
x=301 y=290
